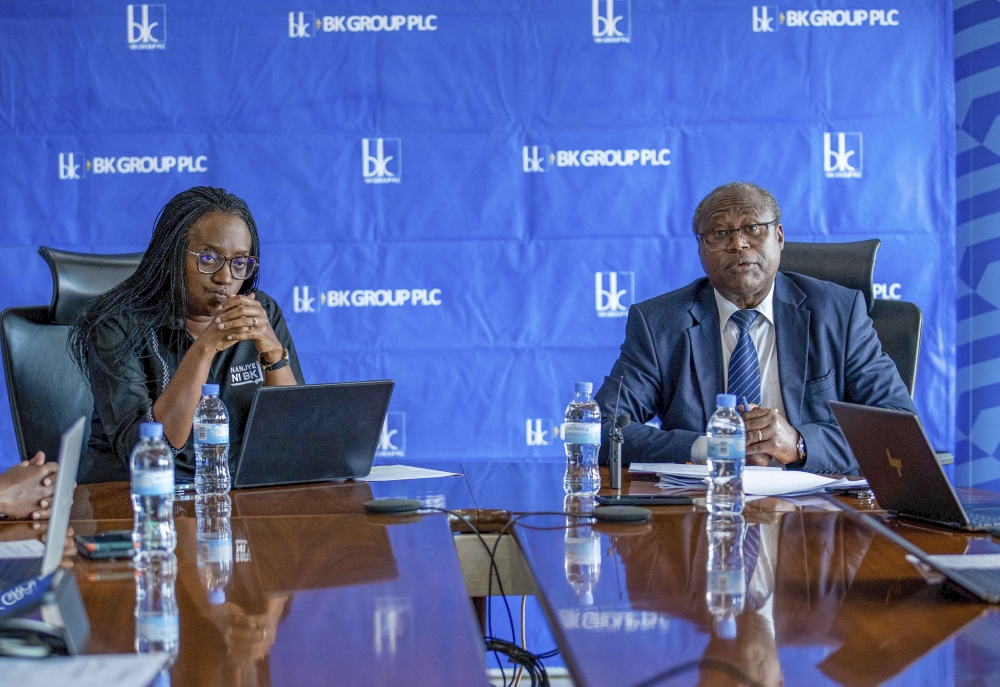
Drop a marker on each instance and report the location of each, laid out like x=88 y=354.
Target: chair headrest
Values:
x=78 y=278
x=849 y=264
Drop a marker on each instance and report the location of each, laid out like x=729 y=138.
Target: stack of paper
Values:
x=757 y=481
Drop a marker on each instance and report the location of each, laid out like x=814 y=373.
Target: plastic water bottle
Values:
x=582 y=434
x=725 y=578
x=211 y=443
x=157 y=625
x=215 y=544
x=727 y=454
x=152 y=467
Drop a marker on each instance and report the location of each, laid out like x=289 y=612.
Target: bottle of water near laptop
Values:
x=152 y=468
x=725 y=577
x=582 y=434
x=215 y=544
x=211 y=443
x=157 y=621
x=727 y=445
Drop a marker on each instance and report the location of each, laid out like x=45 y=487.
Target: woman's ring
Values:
x=255 y=326
x=760 y=436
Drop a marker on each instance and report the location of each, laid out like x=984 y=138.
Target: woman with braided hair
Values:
x=191 y=314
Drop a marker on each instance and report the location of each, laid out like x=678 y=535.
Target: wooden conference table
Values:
x=323 y=594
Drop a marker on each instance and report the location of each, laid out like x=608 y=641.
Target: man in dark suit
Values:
x=787 y=342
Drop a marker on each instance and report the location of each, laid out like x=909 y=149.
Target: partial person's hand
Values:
x=243 y=318
x=69 y=546
x=26 y=488
x=769 y=435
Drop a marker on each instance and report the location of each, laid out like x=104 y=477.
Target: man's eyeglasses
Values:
x=210 y=262
x=753 y=234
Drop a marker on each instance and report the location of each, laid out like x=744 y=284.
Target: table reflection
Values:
x=582 y=548
x=157 y=619
x=762 y=598
x=215 y=544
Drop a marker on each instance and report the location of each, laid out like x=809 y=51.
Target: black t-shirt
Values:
x=124 y=399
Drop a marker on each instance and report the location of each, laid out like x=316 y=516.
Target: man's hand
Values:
x=769 y=436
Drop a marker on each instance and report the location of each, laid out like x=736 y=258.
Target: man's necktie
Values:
x=751 y=552
x=744 y=368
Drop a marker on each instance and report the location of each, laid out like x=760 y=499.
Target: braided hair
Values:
x=156 y=294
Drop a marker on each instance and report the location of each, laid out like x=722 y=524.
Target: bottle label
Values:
x=152 y=482
x=727 y=448
x=582 y=432
x=215 y=550
x=158 y=628
x=211 y=433
x=726 y=581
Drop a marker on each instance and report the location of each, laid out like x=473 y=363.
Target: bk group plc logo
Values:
x=382 y=160
x=147 y=27
x=842 y=154
x=613 y=301
x=611 y=21
x=305 y=24
x=306 y=300
x=392 y=438
x=767 y=18
x=76 y=165
x=541 y=158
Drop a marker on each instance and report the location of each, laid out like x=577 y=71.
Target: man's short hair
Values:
x=744 y=188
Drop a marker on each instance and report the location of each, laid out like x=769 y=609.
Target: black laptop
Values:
x=894 y=454
x=312 y=433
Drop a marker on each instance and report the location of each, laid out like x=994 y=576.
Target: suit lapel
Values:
x=791 y=324
x=706 y=348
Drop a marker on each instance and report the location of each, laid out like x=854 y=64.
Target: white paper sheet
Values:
x=389 y=473
x=778 y=482
x=975 y=561
x=23 y=548
x=120 y=670
x=656 y=468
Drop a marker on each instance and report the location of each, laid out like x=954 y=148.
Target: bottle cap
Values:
x=217 y=597
x=725 y=628
x=585 y=387
x=726 y=400
x=213 y=390
x=150 y=430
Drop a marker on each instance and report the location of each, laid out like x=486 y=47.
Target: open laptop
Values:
x=894 y=454
x=984 y=583
x=312 y=433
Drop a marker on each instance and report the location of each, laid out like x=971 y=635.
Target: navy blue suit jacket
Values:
x=671 y=364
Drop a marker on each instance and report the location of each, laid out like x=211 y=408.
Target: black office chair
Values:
x=47 y=391
x=848 y=264
x=898 y=325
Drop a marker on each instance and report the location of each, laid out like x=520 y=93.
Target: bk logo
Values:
x=765 y=19
x=392 y=438
x=301 y=24
x=842 y=155
x=147 y=27
x=382 y=161
x=540 y=432
x=611 y=21
x=535 y=158
x=72 y=166
x=614 y=300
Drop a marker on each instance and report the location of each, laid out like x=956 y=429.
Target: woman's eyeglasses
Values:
x=210 y=262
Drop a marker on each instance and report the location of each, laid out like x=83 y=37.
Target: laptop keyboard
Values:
x=983 y=516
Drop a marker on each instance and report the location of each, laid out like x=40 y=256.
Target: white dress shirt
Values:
x=765 y=341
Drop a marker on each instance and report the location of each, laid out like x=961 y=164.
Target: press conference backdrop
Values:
x=466 y=197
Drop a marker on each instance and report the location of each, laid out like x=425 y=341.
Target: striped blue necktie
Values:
x=744 y=368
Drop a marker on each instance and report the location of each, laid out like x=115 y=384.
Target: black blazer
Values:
x=671 y=364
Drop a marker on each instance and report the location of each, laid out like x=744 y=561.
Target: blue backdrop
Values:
x=466 y=197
